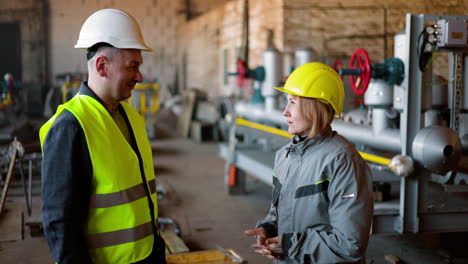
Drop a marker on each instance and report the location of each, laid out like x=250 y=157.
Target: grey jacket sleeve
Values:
x=66 y=188
x=270 y=222
x=350 y=211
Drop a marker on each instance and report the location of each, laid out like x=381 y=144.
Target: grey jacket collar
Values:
x=300 y=147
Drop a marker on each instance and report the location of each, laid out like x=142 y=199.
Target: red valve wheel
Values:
x=360 y=82
x=242 y=72
x=337 y=66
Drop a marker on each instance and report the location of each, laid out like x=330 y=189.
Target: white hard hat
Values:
x=114 y=27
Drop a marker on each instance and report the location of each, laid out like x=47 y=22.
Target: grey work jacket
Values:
x=322 y=202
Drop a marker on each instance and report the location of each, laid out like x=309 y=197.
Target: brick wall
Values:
x=205 y=40
x=157 y=19
x=199 y=7
x=335 y=28
x=197 y=52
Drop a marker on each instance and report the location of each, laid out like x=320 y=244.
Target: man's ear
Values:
x=102 y=65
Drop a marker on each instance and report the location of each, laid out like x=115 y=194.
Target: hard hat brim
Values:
x=136 y=46
x=290 y=91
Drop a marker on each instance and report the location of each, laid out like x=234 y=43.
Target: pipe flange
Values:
x=401 y=165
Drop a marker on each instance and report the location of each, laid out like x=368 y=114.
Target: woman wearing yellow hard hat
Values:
x=322 y=203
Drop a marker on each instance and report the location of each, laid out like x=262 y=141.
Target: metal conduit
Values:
x=257 y=113
x=386 y=139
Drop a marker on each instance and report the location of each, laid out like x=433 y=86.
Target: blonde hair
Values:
x=319 y=114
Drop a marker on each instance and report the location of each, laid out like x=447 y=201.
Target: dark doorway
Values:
x=10 y=47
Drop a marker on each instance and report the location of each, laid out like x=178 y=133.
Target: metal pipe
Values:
x=379 y=120
x=386 y=139
x=288 y=63
x=401 y=52
x=302 y=56
x=439 y=91
x=431 y=118
x=374 y=158
x=257 y=113
x=270 y=103
x=426 y=91
x=272 y=61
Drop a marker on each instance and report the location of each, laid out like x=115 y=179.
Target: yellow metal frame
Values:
x=8 y=101
x=146 y=86
x=242 y=122
x=65 y=87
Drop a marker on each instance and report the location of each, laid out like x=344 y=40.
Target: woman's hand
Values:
x=274 y=245
x=271 y=248
x=267 y=247
x=259 y=233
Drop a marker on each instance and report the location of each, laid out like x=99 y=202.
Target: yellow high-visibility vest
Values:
x=119 y=228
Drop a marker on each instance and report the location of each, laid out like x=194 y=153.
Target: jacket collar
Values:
x=85 y=90
x=299 y=145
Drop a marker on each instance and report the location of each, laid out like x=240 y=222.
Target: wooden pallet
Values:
x=174 y=244
x=205 y=257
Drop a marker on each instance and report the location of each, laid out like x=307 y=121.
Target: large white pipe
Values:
x=386 y=139
x=302 y=56
x=272 y=61
x=257 y=113
x=379 y=120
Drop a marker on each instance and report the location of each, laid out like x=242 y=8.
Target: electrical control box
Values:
x=451 y=33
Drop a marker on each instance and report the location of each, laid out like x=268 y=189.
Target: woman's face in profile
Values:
x=297 y=124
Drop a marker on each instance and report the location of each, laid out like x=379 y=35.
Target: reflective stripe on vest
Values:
x=118 y=198
x=120 y=236
x=119 y=223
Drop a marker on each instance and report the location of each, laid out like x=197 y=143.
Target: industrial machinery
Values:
x=9 y=89
x=145 y=98
x=414 y=133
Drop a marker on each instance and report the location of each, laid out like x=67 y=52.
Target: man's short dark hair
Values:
x=95 y=48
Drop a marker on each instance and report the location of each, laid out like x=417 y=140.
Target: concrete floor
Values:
x=192 y=175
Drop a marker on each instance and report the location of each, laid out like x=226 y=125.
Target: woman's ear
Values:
x=102 y=66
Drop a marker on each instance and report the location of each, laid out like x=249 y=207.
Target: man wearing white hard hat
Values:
x=99 y=202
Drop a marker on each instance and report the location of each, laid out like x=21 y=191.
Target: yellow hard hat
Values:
x=319 y=81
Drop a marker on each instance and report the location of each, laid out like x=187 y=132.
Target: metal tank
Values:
x=288 y=63
x=302 y=56
x=272 y=62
